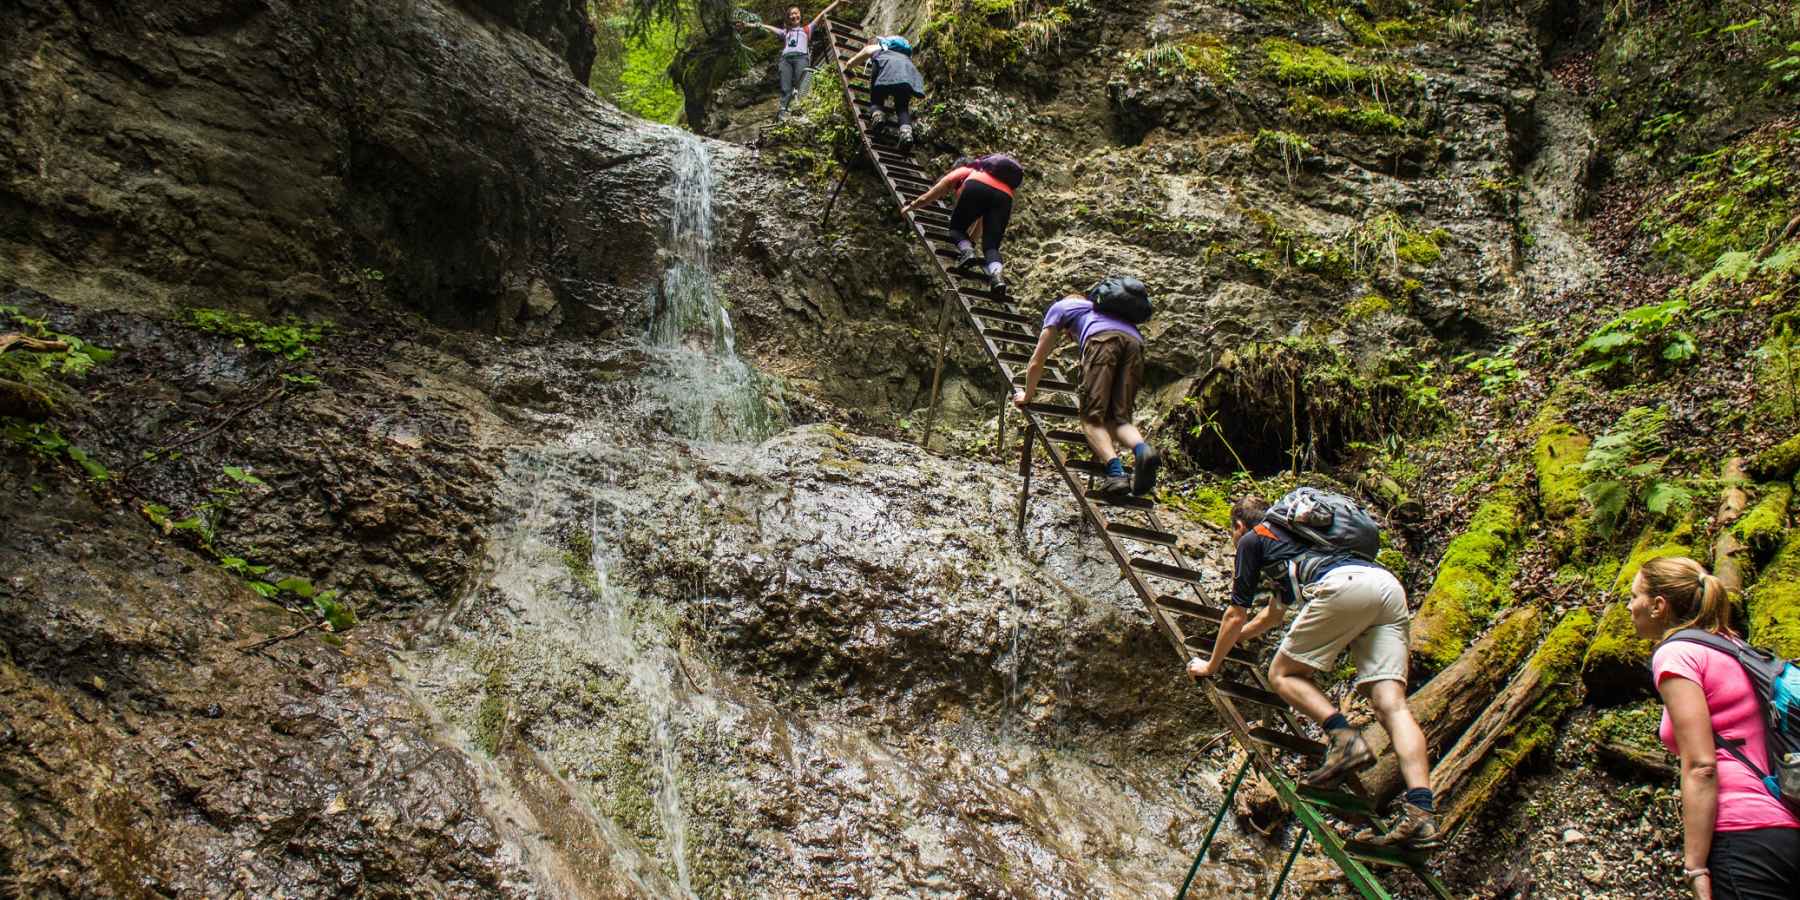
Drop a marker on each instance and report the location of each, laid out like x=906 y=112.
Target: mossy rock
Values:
x=1634 y=726
x=1616 y=667
x=1761 y=527
x=1557 y=456
x=1777 y=463
x=1207 y=504
x=1774 y=601
x=1471 y=585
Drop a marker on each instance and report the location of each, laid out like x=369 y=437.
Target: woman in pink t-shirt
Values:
x=1738 y=841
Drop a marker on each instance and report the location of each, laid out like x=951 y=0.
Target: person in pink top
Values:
x=1739 y=841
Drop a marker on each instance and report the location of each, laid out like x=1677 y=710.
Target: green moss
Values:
x=1777 y=463
x=1557 y=457
x=578 y=557
x=490 y=715
x=1774 y=601
x=1394 y=561
x=1369 y=305
x=1208 y=54
x=1761 y=527
x=1778 y=372
x=1731 y=200
x=1615 y=662
x=1363 y=116
x=1471 y=583
x=1633 y=725
x=1312 y=67
x=1561 y=653
x=1206 y=503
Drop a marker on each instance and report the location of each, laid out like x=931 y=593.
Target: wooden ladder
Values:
x=1142 y=546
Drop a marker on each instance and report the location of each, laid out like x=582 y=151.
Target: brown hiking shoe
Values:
x=1413 y=829
x=1114 y=486
x=1347 y=754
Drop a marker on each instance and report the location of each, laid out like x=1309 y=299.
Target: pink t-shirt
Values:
x=1744 y=804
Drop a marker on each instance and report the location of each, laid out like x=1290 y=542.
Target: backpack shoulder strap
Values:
x=1706 y=638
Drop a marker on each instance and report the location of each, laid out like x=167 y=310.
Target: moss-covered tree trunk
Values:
x=1472 y=583
x=1521 y=720
x=1450 y=701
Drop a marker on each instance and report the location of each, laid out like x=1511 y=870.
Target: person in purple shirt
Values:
x=1112 y=369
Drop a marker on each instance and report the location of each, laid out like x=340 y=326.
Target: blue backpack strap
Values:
x=1733 y=649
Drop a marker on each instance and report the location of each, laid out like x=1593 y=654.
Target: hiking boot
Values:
x=1143 y=476
x=1412 y=829
x=1114 y=486
x=905 y=134
x=965 y=257
x=998 y=285
x=1347 y=754
x=876 y=117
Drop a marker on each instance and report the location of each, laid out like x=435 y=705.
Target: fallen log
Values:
x=1454 y=697
x=1520 y=721
x=1727 y=564
x=1652 y=766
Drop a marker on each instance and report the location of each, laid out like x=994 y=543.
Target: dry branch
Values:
x=1726 y=564
x=25 y=342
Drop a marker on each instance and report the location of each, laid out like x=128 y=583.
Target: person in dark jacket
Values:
x=893 y=81
x=796 y=49
x=1349 y=604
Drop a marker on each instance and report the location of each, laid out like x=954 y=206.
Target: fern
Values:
x=1625 y=467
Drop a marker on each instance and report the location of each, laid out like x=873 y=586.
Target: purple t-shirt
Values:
x=1079 y=315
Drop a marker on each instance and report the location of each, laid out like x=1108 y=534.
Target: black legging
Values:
x=989 y=204
x=903 y=97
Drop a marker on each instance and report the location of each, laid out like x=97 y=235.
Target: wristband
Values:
x=1696 y=873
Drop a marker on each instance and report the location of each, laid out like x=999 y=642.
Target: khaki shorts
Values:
x=1112 y=368
x=1359 y=607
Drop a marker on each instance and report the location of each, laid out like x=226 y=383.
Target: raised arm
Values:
x=863 y=55
x=822 y=14
x=741 y=25
x=1686 y=701
x=944 y=186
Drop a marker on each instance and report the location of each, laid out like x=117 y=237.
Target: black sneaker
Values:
x=998 y=285
x=1114 y=486
x=965 y=257
x=1412 y=829
x=1143 y=476
x=1347 y=754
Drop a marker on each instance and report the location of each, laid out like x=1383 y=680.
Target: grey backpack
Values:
x=1331 y=524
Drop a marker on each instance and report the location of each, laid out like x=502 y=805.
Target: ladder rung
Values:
x=1011 y=357
x=1188 y=607
x=1203 y=644
x=1124 y=501
x=1065 y=436
x=1165 y=570
x=1052 y=409
x=1386 y=856
x=1343 y=803
x=1011 y=337
x=1288 y=741
x=1241 y=691
x=1145 y=535
x=1089 y=466
x=1055 y=384
x=988 y=312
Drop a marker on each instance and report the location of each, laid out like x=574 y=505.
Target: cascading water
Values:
x=709 y=393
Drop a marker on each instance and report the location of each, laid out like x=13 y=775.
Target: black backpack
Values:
x=1777 y=685
x=1122 y=297
x=1332 y=525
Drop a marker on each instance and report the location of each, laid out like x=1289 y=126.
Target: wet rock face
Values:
x=142 y=752
x=821 y=666
x=240 y=150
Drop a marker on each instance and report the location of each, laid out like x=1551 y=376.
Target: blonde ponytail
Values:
x=1696 y=598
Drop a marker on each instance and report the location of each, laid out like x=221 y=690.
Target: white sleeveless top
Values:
x=796 y=40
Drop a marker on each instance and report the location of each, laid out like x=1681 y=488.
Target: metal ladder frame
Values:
x=1003 y=329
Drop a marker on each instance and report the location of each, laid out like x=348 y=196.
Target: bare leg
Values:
x=1389 y=700
x=1127 y=435
x=1098 y=439
x=1293 y=680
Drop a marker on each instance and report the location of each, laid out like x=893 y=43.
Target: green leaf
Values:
x=94 y=469
x=1681 y=346
x=1663 y=496
x=237 y=474
x=1608 y=499
x=298 y=586
x=265 y=589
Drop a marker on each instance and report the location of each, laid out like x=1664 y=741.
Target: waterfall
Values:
x=709 y=394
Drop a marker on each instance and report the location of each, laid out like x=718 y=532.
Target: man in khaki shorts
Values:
x=1349 y=603
x=1112 y=369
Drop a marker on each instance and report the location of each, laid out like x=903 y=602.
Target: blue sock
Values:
x=1139 y=451
x=1420 y=797
x=1115 y=467
x=1336 y=722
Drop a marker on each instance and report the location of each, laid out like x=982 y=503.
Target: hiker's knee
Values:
x=1386 y=697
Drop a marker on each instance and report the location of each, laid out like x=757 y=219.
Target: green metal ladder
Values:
x=1144 y=549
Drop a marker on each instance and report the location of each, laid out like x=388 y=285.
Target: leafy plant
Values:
x=1624 y=466
x=47 y=443
x=1497 y=372
x=1639 y=335
x=291 y=339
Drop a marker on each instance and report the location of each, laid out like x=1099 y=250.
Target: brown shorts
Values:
x=1112 y=369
